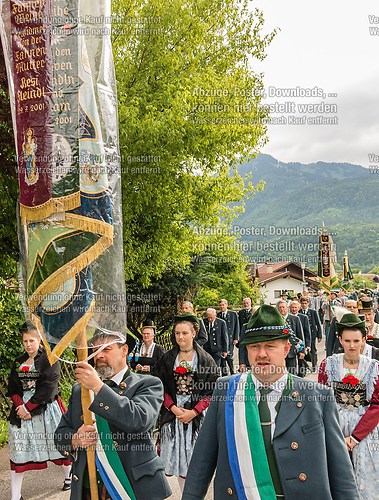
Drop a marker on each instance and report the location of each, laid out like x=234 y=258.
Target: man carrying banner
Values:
x=126 y=406
x=269 y=433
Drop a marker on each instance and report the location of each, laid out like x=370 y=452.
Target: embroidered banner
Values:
x=326 y=261
x=31 y=71
x=64 y=108
x=44 y=68
x=347 y=275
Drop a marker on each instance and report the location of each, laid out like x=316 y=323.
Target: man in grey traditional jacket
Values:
x=126 y=407
x=269 y=434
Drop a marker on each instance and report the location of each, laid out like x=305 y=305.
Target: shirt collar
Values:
x=119 y=377
x=277 y=386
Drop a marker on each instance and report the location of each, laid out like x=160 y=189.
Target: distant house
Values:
x=274 y=279
x=372 y=277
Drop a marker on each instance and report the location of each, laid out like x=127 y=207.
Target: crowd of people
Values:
x=192 y=412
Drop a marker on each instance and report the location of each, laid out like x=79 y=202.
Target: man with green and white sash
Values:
x=269 y=434
x=126 y=406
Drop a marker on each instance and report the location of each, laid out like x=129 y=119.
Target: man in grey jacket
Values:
x=269 y=434
x=126 y=407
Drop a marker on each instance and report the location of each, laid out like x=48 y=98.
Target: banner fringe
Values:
x=67 y=271
x=54 y=355
x=53 y=205
x=87 y=224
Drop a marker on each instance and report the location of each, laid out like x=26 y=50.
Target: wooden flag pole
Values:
x=82 y=353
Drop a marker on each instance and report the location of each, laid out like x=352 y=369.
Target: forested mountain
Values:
x=284 y=220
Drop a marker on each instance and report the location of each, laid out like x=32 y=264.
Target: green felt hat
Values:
x=266 y=324
x=350 y=320
x=187 y=317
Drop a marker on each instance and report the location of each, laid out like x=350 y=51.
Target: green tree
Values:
x=11 y=316
x=220 y=269
x=362 y=282
x=189 y=109
x=8 y=179
x=217 y=270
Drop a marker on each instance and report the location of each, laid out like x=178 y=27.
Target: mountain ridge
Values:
x=341 y=195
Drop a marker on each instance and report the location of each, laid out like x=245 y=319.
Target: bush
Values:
x=3 y=432
x=11 y=319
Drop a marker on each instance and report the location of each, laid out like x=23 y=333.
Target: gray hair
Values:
x=281 y=302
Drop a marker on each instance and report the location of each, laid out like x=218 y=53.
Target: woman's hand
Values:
x=176 y=410
x=350 y=443
x=186 y=416
x=23 y=413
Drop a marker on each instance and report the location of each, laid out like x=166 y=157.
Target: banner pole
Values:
x=82 y=353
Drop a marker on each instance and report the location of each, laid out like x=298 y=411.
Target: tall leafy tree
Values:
x=8 y=181
x=190 y=108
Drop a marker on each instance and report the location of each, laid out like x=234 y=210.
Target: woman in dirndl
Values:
x=188 y=374
x=355 y=381
x=35 y=414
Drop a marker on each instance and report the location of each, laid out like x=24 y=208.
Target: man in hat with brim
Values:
x=327 y=311
x=284 y=296
x=144 y=358
x=269 y=434
x=366 y=307
x=126 y=406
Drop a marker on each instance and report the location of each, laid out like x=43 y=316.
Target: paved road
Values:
x=47 y=484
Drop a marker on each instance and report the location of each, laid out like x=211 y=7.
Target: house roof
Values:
x=266 y=272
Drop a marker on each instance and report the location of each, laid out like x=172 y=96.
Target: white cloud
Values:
x=328 y=45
